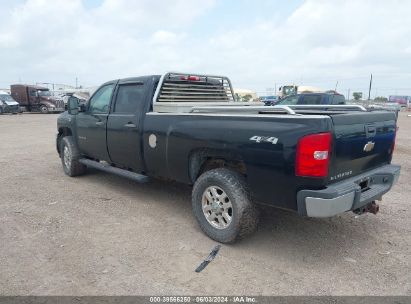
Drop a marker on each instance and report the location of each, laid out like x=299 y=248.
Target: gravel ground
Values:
x=104 y=235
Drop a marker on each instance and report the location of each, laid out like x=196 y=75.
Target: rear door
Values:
x=124 y=127
x=363 y=141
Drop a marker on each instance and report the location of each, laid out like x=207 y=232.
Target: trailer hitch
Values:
x=372 y=207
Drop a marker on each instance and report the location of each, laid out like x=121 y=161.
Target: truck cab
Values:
x=36 y=99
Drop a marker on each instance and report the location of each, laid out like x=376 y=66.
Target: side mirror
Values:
x=73 y=105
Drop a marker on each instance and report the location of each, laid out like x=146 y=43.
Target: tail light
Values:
x=190 y=78
x=313 y=155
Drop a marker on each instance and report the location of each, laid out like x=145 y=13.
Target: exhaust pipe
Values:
x=372 y=207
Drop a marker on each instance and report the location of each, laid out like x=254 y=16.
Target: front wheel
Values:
x=70 y=156
x=44 y=109
x=222 y=206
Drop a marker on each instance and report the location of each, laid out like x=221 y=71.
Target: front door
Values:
x=92 y=124
x=124 y=128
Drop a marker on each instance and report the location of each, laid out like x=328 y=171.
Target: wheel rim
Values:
x=66 y=157
x=217 y=207
x=43 y=109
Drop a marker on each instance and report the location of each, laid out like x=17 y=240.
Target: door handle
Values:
x=99 y=123
x=130 y=125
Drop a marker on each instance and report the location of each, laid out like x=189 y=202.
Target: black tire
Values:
x=44 y=109
x=73 y=167
x=244 y=214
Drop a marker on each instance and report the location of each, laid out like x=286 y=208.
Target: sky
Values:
x=259 y=44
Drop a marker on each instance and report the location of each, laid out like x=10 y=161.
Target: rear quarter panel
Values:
x=269 y=167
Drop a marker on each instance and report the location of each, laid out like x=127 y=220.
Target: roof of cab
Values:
x=132 y=79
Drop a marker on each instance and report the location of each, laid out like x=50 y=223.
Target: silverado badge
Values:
x=369 y=146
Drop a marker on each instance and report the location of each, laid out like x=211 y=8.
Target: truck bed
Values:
x=228 y=130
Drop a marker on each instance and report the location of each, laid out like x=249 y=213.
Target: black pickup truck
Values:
x=316 y=160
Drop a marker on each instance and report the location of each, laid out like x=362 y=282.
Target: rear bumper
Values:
x=347 y=195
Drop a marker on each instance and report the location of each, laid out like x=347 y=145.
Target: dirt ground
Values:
x=101 y=234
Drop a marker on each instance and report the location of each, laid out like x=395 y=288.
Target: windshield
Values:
x=289 y=90
x=6 y=97
x=44 y=93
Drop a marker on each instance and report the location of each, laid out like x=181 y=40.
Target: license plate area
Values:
x=364 y=184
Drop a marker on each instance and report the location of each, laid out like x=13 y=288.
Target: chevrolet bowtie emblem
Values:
x=369 y=146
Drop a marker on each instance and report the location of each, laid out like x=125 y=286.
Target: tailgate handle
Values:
x=370 y=131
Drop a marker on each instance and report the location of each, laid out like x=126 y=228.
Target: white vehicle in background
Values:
x=246 y=95
x=8 y=104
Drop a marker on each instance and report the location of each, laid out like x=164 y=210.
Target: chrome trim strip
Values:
x=234 y=108
x=331 y=106
x=237 y=115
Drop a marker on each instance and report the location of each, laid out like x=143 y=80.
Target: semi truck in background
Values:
x=36 y=99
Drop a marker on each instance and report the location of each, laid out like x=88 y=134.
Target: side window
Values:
x=129 y=99
x=311 y=100
x=100 y=102
x=290 y=100
x=32 y=93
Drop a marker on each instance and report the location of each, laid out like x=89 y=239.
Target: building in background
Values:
x=245 y=95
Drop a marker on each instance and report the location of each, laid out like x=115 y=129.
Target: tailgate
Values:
x=363 y=141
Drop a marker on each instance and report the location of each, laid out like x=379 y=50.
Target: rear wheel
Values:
x=70 y=156
x=222 y=206
x=44 y=109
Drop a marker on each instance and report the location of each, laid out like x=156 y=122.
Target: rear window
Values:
x=337 y=99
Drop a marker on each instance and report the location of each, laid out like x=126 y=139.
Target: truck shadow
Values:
x=313 y=240
x=281 y=233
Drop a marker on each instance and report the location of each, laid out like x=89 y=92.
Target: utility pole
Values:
x=369 y=90
x=76 y=83
x=348 y=98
